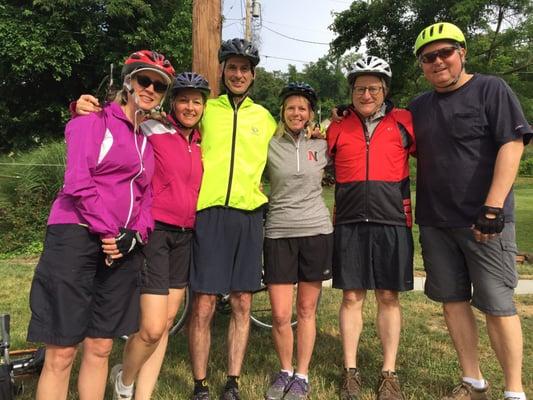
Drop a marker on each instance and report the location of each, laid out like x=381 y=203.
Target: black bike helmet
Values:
x=238 y=47
x=190 y=80
x=300 y=89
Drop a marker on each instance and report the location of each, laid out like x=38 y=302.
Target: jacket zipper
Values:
x=232 y=159
x=367 y=153
x=297 y=145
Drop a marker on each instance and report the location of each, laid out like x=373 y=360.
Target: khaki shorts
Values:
x=460 y=269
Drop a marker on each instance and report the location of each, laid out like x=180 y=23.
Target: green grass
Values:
x=426 y=363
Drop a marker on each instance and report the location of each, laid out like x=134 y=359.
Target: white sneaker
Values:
x=114 y=376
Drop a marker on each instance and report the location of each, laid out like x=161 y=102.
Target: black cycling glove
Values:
x=341 y=108
x=127 y=239
x=490 y=225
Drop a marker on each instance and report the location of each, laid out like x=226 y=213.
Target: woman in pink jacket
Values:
x=175 y=184
x=85 y=287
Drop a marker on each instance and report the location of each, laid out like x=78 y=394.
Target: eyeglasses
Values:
x=145 y=82
x=361 y=90
x=443 y=54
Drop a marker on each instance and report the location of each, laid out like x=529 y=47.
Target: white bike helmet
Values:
x=370 y=65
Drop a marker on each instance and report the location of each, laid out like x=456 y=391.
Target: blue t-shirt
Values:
x=458 y=135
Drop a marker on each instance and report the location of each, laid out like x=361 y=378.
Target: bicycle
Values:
x=16 y=365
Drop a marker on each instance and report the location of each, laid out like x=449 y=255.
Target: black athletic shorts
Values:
x=74 y=295
x=167 y=259
x=227 y=251
x=298 y=259
x=373 y=256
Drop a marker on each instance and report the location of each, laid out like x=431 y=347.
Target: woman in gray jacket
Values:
x=298 y=237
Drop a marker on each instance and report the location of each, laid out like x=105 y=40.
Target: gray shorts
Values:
x=460 y=269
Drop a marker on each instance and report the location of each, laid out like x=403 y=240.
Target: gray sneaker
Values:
x=279 y=382
x=298 y=389
x=200 y=396
x=230 y=393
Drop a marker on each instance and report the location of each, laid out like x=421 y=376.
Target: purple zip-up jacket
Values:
x=107 y=176
x=178 y=173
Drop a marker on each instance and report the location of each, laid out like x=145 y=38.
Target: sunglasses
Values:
x=361 y=90
x=443 y=54
x=145 y=82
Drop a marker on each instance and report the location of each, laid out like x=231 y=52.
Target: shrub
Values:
x=27 y=190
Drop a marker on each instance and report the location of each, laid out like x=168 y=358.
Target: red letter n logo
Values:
x=312 y=155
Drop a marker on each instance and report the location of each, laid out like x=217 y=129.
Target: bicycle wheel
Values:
x=261 y=314
x=181 y=317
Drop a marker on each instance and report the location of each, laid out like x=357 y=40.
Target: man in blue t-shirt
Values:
x=470 y=133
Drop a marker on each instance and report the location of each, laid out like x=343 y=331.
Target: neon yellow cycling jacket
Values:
x=234 y=152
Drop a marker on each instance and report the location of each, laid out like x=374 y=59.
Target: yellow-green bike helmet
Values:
x=439 y=31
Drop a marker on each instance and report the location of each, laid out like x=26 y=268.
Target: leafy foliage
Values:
x=51 y=51
x=27 y=189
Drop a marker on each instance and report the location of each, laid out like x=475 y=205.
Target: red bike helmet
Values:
x=147 y=60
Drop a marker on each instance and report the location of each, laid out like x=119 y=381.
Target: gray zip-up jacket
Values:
x=296 y=206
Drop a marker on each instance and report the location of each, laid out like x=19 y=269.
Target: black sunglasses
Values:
x=444 y=53
x=145 y=82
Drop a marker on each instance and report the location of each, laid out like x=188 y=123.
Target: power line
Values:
x=293 y=38
x=286 y=59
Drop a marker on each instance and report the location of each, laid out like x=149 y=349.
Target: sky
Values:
x=300 y=19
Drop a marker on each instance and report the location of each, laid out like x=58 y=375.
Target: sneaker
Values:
x=389 y=386
x=114 y=376
x=230 y=393
x=351 y=385
x=465 y=391
x=298 y=389
x=277 y=386
x=200 y=396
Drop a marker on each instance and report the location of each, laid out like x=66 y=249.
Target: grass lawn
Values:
x=426 y=363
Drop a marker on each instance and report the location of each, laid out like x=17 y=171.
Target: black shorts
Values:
x=167 y=259
x=227 y=251
x=298 y=259
x=373 y=256
x=74 y=295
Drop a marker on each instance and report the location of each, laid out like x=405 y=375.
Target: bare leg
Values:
x=282 y=335
x=200 y=332
x=238 y=331
x=93 y=370
x=463 y=331
x=506 y=338
x=142 y=344
x=351 y=324
x=55 y=375
x=147 y=377
x=389 y=324
x=308 y=293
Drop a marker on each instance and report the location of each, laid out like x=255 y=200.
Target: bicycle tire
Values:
x=181 y=316
x=261 y=313
x=180 y=319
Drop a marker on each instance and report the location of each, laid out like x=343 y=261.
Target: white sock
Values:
x=515 y=395
x=302 y=376
x=476 y=383
x=123 y=389
x=289 y=372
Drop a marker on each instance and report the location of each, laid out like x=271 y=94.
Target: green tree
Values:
x=499 y=38
x=53 y=50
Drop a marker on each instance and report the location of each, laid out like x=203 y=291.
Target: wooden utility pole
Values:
x=206 y=34
x=248 y=30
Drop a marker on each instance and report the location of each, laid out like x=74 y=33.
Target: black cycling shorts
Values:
x=373 y=256
x=74 y=295
x=298 y=259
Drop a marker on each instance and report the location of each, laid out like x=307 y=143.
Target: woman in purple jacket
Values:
x=175 y=184
x=85 y=286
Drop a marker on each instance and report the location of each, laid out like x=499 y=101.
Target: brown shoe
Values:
x=389 y=387
x=465 y=391
x=351 y=385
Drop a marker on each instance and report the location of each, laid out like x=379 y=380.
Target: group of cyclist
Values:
x=176 y=200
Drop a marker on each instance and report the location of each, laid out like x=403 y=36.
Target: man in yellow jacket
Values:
x=228 y=246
